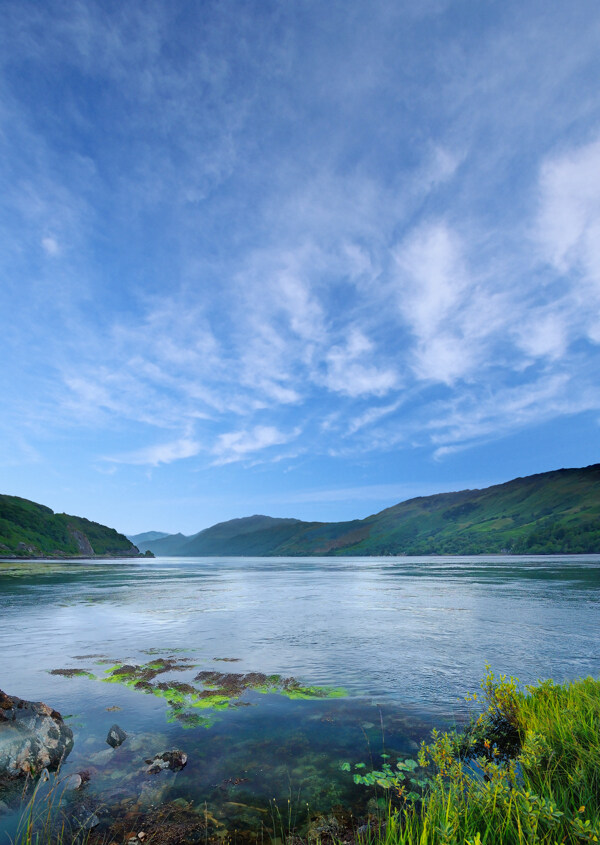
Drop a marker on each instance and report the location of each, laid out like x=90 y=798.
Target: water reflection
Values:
x=407 y=638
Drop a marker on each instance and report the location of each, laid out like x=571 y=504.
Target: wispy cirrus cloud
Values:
x=160 y=453
x=247 y=234
x=237 y=445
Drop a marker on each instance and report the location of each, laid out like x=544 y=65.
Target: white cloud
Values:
x=372 y=415
x=569 y=221
x=471 y=419
x=237 y=445
x=568 y=233
x=544 y=333
x=51 y=246
x=350 y=371
x=435 y=293
x=161 y=453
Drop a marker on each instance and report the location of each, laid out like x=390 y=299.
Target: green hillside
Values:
x=30 y=530
x=550 y=513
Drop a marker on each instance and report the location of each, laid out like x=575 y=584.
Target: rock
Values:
x=141 y=741
x=153 y=794
x=91 y=822
x=72 y=782
x=174 y=760
x=33 y=736
x=101 y=758
x=324 y=828
x=116 y=736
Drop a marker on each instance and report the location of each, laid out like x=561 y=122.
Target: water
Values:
x=406 y=638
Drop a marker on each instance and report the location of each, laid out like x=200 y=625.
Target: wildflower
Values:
x=582 y=809
x=486 y=742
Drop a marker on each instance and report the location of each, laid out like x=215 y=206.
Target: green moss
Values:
x=213 y=702
x=189 y=720
x=303 y=693
x=173 y=696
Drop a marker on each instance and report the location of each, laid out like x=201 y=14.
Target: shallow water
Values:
x=406 y=637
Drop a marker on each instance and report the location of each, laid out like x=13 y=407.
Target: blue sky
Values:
x=298 y=258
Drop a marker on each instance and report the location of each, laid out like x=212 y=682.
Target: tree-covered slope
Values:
x=548 y=513
x=553 y=512
x=31 y=530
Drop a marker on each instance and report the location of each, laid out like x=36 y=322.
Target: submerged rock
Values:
x=174 y=760
x=33 y=736
x=101 y=758
x=116 y=736
x=154 y=794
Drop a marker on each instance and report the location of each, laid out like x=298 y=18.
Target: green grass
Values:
x=527 y=770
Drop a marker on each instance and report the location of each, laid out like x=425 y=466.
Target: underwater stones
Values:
x=101 y=758
x=74 y=781
x=174 y=760
x=87 y=819
x=145 y=740
x=33 y=736
x=116 y=736
x=153 y=794
x=324 y=828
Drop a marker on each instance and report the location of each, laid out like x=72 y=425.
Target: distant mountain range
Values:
x=29 y=530
x=549 y=513
x=147 y=536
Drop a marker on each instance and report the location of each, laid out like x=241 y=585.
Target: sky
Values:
x=292 y=257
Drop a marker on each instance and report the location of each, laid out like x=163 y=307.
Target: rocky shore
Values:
x=33 y=737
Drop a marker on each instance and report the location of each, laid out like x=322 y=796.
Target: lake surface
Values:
x=406 y=638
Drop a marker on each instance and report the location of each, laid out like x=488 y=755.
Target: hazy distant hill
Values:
x=31 y=530
x=165 y=546
x=552 y=512
x=140 y=540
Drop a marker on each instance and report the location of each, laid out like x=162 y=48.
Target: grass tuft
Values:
x=527 y=770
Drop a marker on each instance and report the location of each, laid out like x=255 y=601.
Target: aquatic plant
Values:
x=526 y=770
x=216 y=691
x=44 y=820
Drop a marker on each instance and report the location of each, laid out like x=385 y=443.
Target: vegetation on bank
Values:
x=28 y=530
x=551 y=513
x=527 y=770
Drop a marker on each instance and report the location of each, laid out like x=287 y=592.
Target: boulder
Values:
x=33 y=736
x=116 y=736
x=173 y=760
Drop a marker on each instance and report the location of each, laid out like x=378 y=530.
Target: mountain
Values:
x=548 y=513
x=234 y=533
x=166 y=546
x=140 y=540
x=29 y=530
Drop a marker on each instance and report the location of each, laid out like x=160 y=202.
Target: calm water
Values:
x=406 y=637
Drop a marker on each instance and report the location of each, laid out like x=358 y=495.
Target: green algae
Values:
x=305 y=693
x=212 y=702
x=189 y=720
x=212 y=691
x=73 y=673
